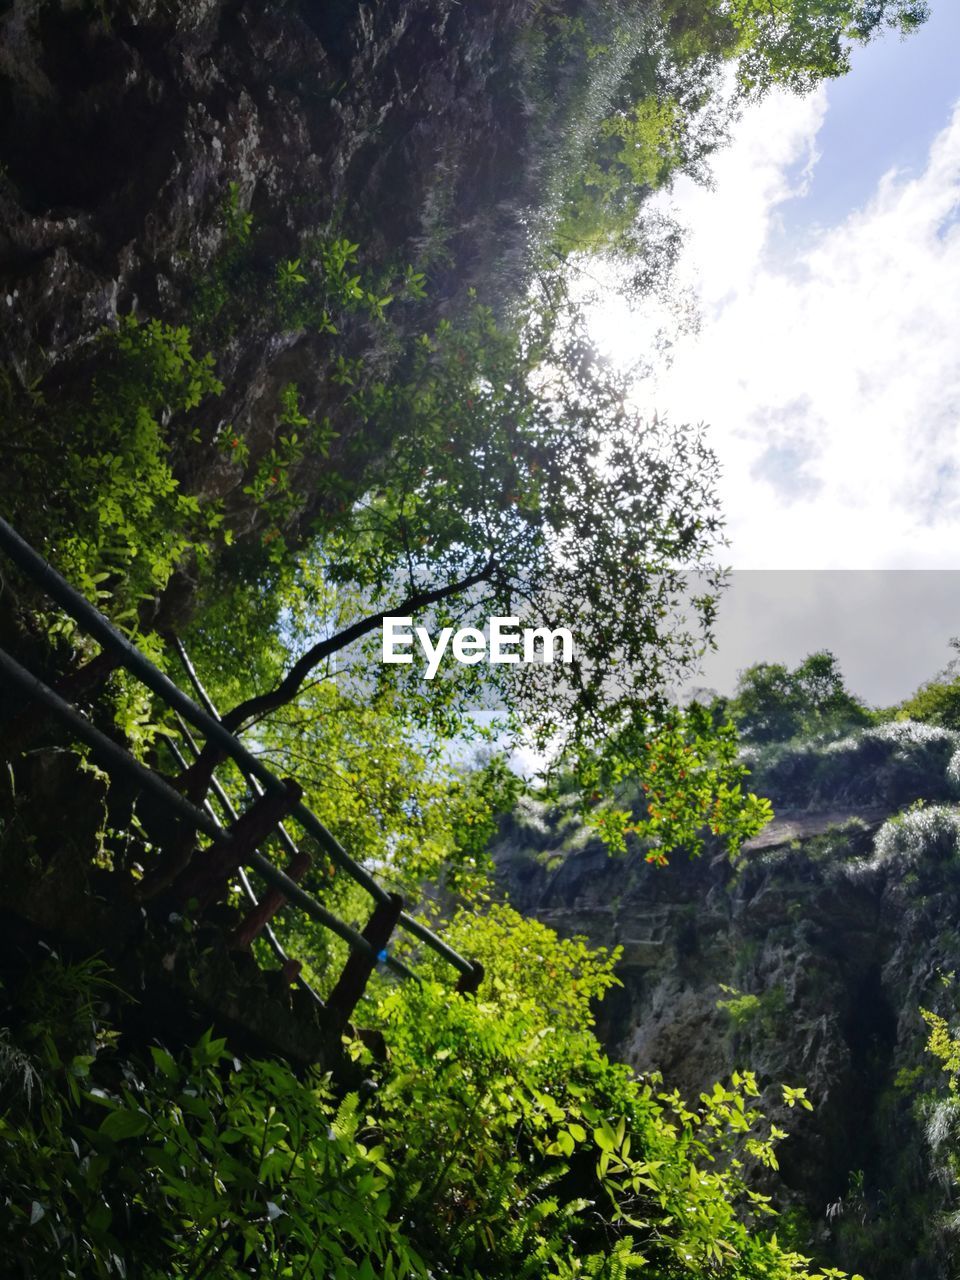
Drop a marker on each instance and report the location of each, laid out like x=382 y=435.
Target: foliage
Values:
x=497 y=453
x=691 y=779
x=796 y=43
x=657 y=101
x=114 y=510
x=942 y=1112
x=327 y=294
x=498 y=1142
x=768 y=1009
x=944 y=1046
x=773 y=704
x=938 y=700
x=617 y=111
x=924 y=833
x=367 y=777
x=891 y=764
x=319 y=290
x=517 y=460
x=420 y=821
x=520 y=485
x=187 y=1166
x=661 y=121
x=841 y=841
x=935 y=703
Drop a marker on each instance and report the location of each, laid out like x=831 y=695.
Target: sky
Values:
x=825 y=261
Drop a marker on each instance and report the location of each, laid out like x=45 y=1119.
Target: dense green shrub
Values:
x=113 y=515
x=890 y=764
x=497 y=1141
x=926 y=833
x=937 y=701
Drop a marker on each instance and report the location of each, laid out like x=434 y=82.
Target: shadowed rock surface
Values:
x=808 y=965
x=134 y=139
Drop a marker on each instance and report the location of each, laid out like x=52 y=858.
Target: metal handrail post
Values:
x=79 y=608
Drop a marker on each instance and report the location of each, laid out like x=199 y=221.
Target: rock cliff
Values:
x=121 y=132
x=807 y=963
x=141 y=143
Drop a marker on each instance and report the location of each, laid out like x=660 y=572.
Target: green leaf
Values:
x=164 y=1062
x=125 y=1124
x=603 y=1136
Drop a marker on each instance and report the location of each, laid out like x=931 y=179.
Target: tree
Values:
x=796 y=43
x=938 y=700
x=774 y=704
x=521 y=485
x=672 y=107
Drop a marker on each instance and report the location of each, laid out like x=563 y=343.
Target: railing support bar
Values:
x=272 y=940
x=207 y=877
x=116 y=757
x=356 y=973
x=79 y=608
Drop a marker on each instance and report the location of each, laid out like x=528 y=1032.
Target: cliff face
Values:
x=809 y=965
x=120 y=134
x=136 y=139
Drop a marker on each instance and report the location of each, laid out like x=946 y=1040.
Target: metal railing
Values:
x=264 y=785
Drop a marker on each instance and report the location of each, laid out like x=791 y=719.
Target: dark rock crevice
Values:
x=828 y=952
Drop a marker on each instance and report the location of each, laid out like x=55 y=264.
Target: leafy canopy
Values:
x=520 y=484
x=496 y=1141
x=774 y=704
x=938 y=700
x=796 y=43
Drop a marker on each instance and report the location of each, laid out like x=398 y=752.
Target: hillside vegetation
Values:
x=290 y=341
x=827 y=954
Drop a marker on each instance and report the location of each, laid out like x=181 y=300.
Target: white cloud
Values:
x=828 y=372
x=729 y=224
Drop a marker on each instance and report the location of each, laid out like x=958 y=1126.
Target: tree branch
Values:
x=196 y=780
x=289 y=686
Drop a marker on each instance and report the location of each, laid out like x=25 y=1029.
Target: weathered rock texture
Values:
x=120 y=138
x=409 y=127
x=830 y=950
